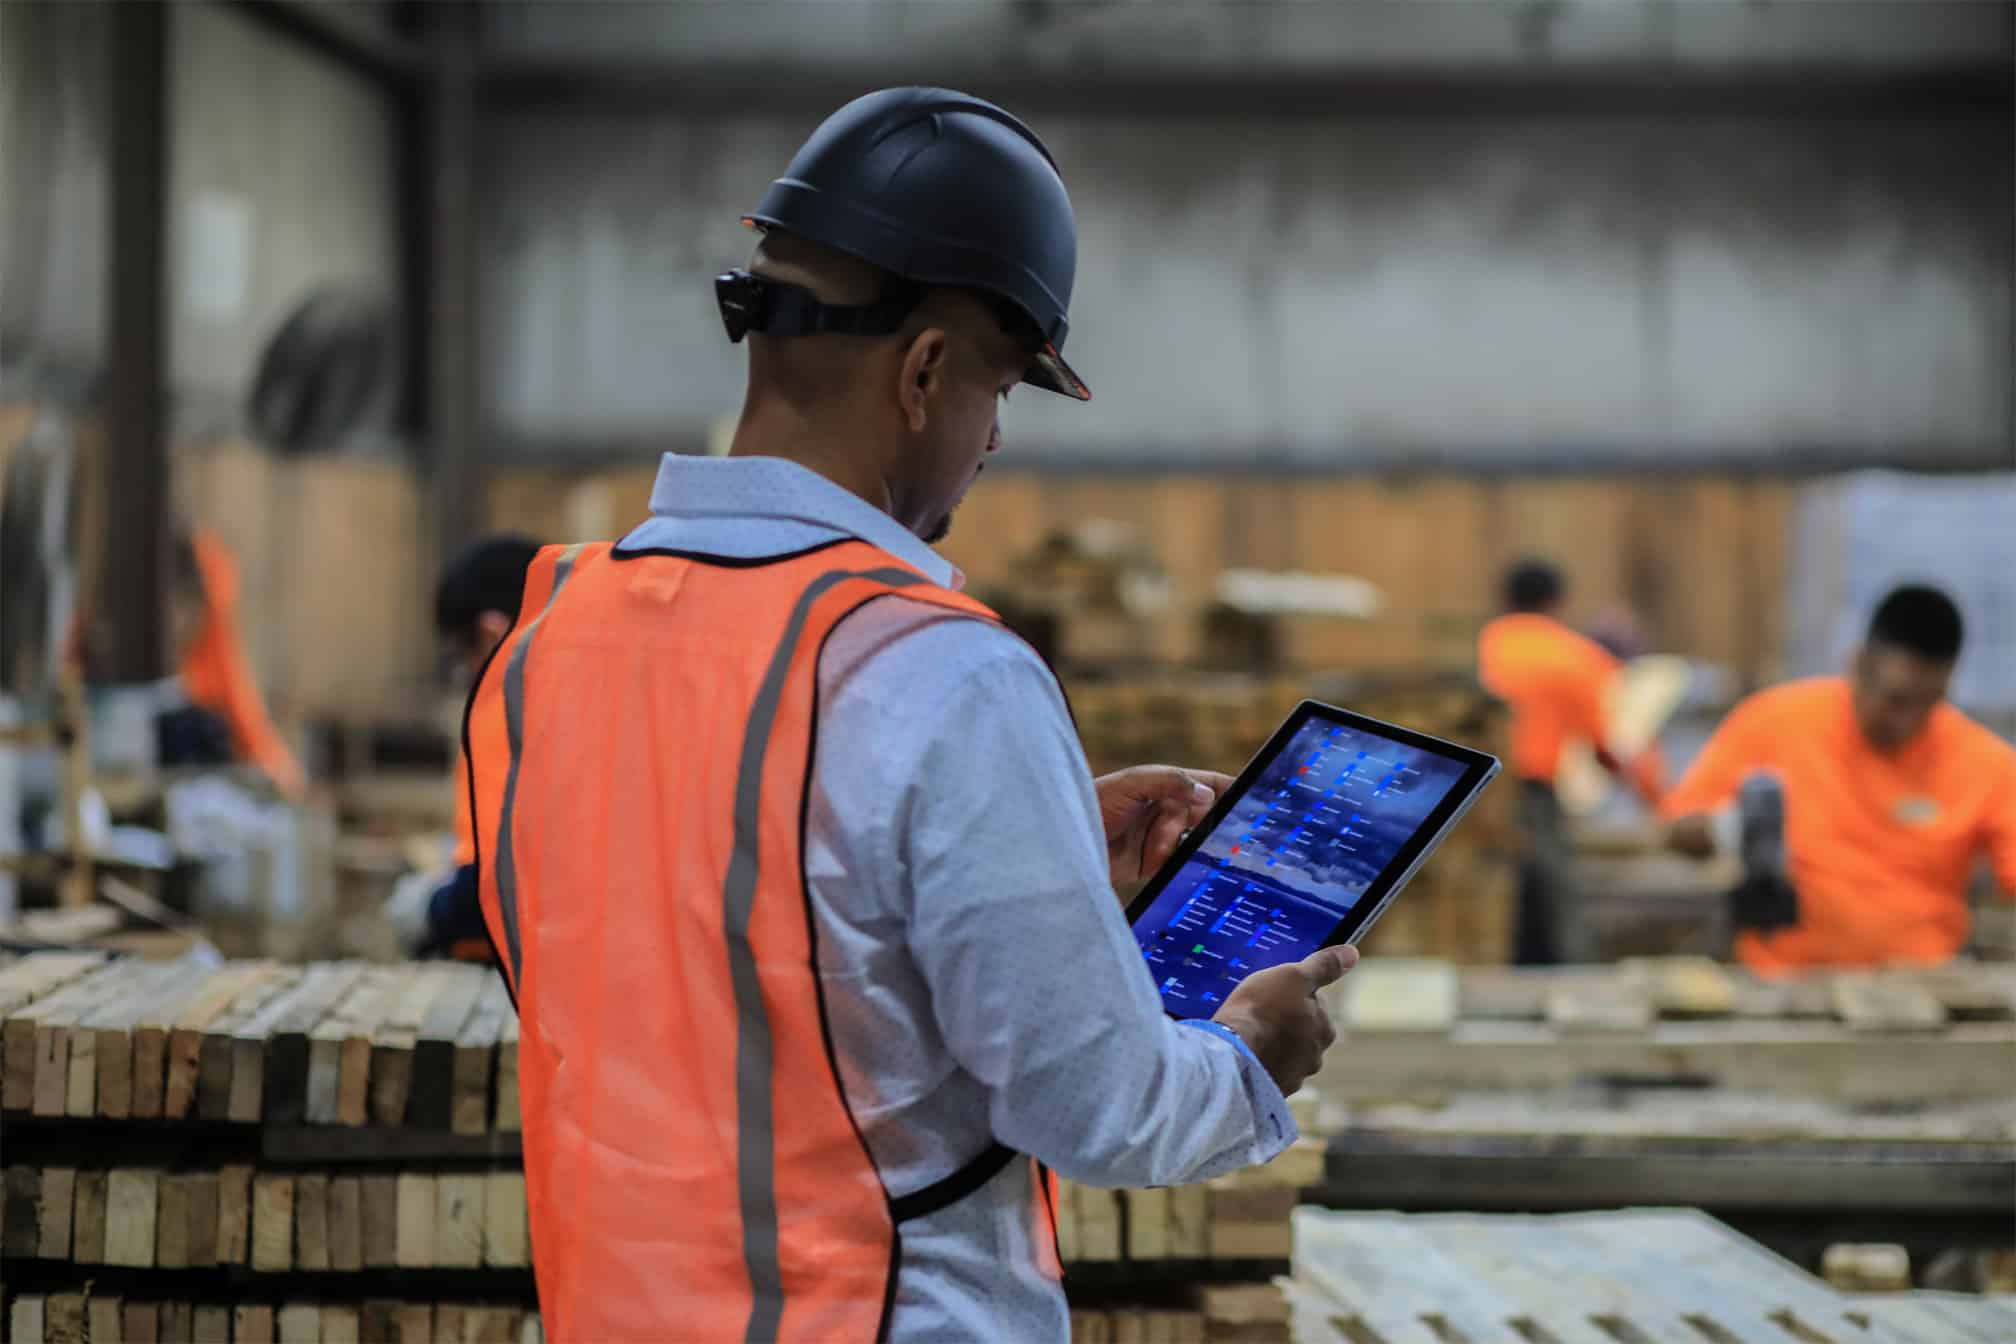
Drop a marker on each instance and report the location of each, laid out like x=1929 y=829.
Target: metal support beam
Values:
x=346 y=37
x=453 y=409
x=129 y=604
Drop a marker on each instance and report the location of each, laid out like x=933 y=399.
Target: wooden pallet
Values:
x=427 y=1046
x=73 y=1318
x=1666 y=1276
x=269 y=1221
x=1240 y=1217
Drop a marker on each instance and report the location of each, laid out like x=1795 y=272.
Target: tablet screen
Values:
x=1320 y=820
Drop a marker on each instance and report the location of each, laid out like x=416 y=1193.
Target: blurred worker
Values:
x=475 y=602
x=1887 y=794
x=803 y=887
x=1555 y=681
x=229 y=719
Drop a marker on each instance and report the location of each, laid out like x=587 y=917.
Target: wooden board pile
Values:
x=1424 y=1029
x=1222 y=1314
x=227 y=1151
x=1371 y=1278
x=95 y=1318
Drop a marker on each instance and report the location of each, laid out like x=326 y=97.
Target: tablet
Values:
x=1307 y=848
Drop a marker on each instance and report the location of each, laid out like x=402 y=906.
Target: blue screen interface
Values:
x=1324 y=818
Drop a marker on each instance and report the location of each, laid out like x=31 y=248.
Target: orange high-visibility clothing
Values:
x=640 y=754
x=1555 y=679
x=1879 y=844
x=218 y=676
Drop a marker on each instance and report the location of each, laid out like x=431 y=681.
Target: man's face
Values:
x=473 y=648
x=982 y=364
x=1895 y=693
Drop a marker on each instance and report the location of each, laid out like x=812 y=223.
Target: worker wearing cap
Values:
x=795 y=866
x=1555 y=681
x=1858 y=804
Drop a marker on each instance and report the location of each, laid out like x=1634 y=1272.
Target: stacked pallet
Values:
x=270 y=1221
x=96 y=1318
x=1640 y=1275
x=1220 y=1314
x=345 y=1044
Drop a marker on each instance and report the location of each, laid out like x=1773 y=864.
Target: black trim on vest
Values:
x=731 y=561
x=961 y=1183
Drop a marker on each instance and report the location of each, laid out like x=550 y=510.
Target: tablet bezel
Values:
x=1479 y=769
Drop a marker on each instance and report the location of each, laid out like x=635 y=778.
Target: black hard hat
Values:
x=941 y=188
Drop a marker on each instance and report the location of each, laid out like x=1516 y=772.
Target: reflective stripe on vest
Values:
x=599 y=741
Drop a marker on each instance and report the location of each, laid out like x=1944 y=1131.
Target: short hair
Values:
x=1919 y=619
x=488 y=575
x=1532 y=585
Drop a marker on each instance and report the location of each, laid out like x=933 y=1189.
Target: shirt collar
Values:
x=723 y=488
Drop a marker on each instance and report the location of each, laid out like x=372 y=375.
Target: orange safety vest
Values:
x=640 y=754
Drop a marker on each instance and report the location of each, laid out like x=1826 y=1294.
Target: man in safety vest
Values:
x=790 y=851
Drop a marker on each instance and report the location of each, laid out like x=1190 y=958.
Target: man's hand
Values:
x=1276 y=1012
x=1146 y=809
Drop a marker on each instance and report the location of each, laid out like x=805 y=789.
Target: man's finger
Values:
x=1327 y=966
x=1163 y=837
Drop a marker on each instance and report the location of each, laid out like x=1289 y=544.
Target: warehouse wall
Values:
x=1328 y=291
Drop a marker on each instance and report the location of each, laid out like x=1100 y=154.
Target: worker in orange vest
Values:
x=215 y=671
x=436 y=914
x=789 y=849
x=1555 y=681
x=1857 y=804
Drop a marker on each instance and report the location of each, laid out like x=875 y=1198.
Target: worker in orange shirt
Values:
x=1555 y=680
x=1858 y=803
x=475 y=603
x=227 y=718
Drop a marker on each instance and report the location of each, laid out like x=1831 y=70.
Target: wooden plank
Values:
x=381 y=1222
x=1148 y=1224
x=211 y=1325
x=311 y=1221
x=431 y=1102
x=171 y=1226
x=234 y=1215
x=1398 y=995
x=458 y=1221
x=378 y=1323
x=28 y=989
x=287 y=1028
x=185 y=1038
x=272 y=1222
x=112 y=1024
x=177 y=1323
x=27 y=1317
x=417 y=1202
x=475 y=1059
x=300 y=1323
x=504 y=1242
x=451 y=1323
x=1098 y=1213
x=346 y=1224
x=105 y=1315
x=204 y=1198
x=352 y=1026
x=39 y=974
x=1881 y=1002
x=1614 y=1004
x=507 y=1077
x=63 y=1322
x=35 y=1042
x=87 y=1223
x=21 y=1221
x=493 y=1325
x=1684 y=986
x=222 y=1048
x=140 y=1323
x=340 y=1325
x=1067 y=1224
x=1189 y=1222
x=132 y=1198
x=394 y=1037
x=415 y=1322
x=252 y=1323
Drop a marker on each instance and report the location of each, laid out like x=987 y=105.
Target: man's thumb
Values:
x=1328 y=965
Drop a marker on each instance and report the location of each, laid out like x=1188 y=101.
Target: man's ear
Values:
x=491 y=627
x=923 y=370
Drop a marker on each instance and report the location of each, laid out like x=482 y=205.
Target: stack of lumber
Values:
x=1423 y=1029
x=428 y=1046
x=1242 y=1217
x=75 y=1318
x=1218 y=1314
x=1640 y=1275
x=269 y=1221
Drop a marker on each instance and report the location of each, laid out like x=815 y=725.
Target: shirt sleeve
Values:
x=1036 y=983
x=1717 y=773
x=1998 y=826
